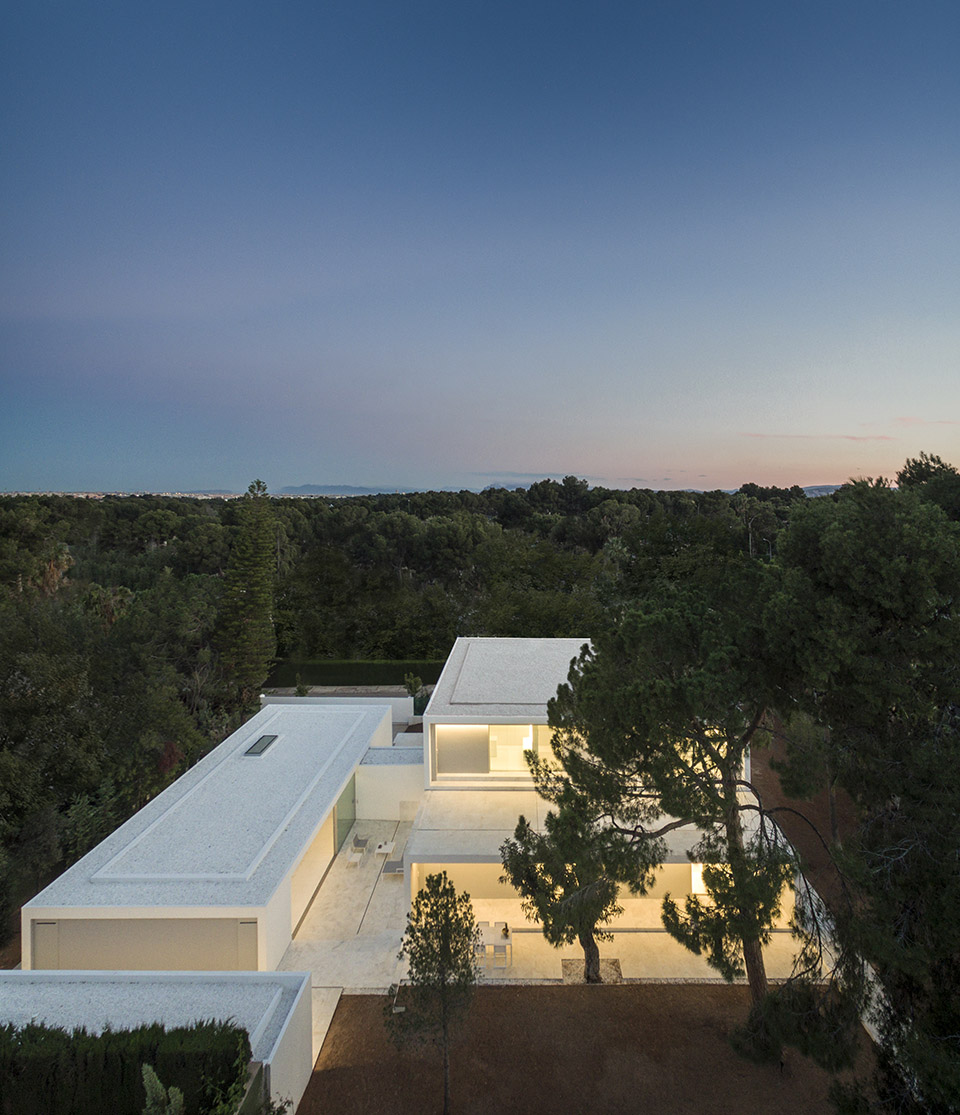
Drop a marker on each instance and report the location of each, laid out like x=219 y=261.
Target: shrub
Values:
x=45 y=1069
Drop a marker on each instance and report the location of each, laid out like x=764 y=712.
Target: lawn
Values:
x=633 y=1048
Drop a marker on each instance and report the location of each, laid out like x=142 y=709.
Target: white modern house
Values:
x=233 y=871
x=488 y=709
x=218 y=870
x=185 y=911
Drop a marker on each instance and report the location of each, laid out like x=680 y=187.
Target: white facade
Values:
x=489 y=707
x=219 y=872
x=215 y=872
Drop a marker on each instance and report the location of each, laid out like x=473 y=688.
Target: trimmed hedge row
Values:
x=332 y=671
x=44 y=1069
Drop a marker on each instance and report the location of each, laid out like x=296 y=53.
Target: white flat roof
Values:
x=260 y=1002
x=487 y=679
x=227 y=832
x=467 y=826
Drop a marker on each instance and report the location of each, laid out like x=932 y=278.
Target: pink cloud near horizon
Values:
x=823 y=437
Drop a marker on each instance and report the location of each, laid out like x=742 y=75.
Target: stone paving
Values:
x=351 y=935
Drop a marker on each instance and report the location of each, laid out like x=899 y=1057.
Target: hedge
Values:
x=45 y=1069
x=332 y=671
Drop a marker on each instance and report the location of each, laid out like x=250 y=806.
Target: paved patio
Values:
x=351 y=935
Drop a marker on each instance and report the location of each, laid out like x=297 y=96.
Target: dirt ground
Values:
x=803 y=831
x=630 y=1049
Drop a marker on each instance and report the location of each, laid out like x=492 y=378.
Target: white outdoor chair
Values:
x=500 y=956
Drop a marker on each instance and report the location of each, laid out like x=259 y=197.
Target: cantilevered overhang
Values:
x=501 y=680
x=470 y=826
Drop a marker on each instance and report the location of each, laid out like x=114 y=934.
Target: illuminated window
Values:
x=696 y=879
x=494 y=749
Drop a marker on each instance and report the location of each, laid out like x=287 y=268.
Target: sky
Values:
x=664 y=244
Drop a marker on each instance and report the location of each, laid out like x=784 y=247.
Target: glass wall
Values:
x=346 y=812
x=493 y=749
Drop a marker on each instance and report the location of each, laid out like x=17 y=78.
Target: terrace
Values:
x=351 y=933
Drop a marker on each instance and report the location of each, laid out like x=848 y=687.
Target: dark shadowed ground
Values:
x=635 y=1048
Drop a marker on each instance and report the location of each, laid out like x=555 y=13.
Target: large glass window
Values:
x=494 y=749
x=507 y=745
x=543 y=737
x=462 y=749
x=346 y=811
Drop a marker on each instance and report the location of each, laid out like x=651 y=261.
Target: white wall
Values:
x=276 y=928
x=291 y=1061
x=309 y=871
x=402 y=707
x=143 y=944
x=388 y=793
x=479 y=880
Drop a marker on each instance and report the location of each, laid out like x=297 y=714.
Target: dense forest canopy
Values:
x=128 y=647
x=135 y=633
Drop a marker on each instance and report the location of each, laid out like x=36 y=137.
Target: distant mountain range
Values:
x=821 y=489
x=351 y=490
x=341 y=491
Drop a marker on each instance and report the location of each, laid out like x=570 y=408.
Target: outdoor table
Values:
x=491 y=935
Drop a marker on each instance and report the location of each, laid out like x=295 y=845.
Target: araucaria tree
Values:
x=653 y=730
x=439 y=945
x=564 y=878
x=247 y=639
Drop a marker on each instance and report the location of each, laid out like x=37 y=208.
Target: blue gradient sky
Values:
x=430 y=244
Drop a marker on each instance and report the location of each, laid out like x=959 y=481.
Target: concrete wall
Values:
x=402 y=707
x=145 y=944
x=309 y=871
x=479 y=880
x=387 y=792
x=291 y=1060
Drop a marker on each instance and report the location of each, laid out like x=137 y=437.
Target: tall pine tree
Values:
x=247 y=640
x=440 y=946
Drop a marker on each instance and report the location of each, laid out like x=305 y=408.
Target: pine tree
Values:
x=440 y=946
x=563 y=878
x=247 y=640
x=653 y=731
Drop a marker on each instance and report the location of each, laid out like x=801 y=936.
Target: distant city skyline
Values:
x=686 y=245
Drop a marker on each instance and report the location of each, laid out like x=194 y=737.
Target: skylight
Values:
x=260 y=746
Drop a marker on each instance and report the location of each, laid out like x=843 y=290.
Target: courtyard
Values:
x=351 y=934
